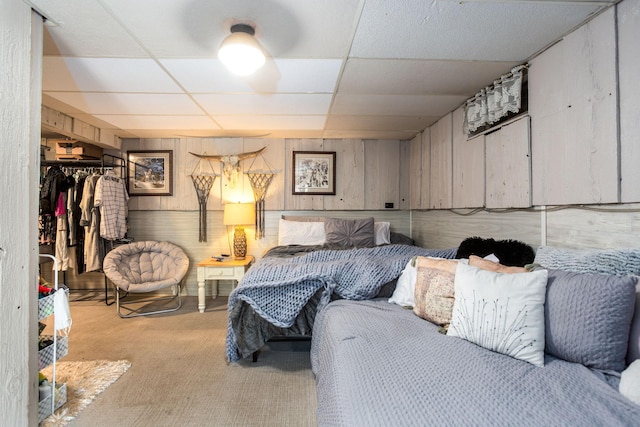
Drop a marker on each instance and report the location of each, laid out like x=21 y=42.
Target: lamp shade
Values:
x=240 y=52
x=239 y=213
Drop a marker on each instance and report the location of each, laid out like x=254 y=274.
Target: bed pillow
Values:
x=630 y=382
x=487 y=264
x=403 y=295
x=381 y=231
x=300 y=233
x=434 y=289
x=304 y=218
x=501 y=312
x=588 y=317
x=620 y=262
x=350 y=232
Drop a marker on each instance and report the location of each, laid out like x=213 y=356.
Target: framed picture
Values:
x=150 y=172
x=314 y=172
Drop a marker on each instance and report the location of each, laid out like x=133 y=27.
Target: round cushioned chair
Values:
x=148 y=266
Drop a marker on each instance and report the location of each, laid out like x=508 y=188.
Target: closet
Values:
x=83 y=210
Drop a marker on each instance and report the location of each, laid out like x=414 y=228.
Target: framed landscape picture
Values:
x=150 y=172
x=314 y=172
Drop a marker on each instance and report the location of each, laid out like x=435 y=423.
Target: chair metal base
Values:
x=120 y=294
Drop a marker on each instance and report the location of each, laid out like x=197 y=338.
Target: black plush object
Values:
x=510 y=252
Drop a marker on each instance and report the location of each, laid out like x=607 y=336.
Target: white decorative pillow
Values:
x=630 y=382
x=300 y=233
x=381 y=233
x=405 y=287
x=501 y=312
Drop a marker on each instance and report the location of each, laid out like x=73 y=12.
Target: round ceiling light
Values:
x=240 y=52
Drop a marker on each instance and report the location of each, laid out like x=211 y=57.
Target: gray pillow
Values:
x=350 y=232
x=588 y=317
x=621 y=262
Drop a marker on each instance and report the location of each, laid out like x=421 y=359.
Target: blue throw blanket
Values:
x=278 y=288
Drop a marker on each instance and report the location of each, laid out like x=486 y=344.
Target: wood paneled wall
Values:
x=181 y=228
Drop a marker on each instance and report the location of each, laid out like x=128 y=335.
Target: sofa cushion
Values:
x=588 y=317
x=434 y=289
x=403 y=295
x=501 y=312
x=486 y=264
x=619 y=262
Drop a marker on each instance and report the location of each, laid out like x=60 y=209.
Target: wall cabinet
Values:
x=508 y=166
x=468 y=166
x=629 y=64
x=415 y=172
x=441 y=173
x=573 y=107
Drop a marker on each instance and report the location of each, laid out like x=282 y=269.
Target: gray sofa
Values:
x=378 y=364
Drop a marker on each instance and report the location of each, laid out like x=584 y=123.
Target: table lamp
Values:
x=238 y=215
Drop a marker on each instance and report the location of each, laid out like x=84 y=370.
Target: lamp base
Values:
x=239 y=243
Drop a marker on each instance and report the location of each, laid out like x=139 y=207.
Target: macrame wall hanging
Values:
x=230 y=163
x=260 y=181
x=203 y=182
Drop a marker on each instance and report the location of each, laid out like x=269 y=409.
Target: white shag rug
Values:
x=85 y=380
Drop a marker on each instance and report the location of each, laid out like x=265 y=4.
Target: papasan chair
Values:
x=143 y=267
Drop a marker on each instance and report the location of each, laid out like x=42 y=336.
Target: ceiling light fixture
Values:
x=240 y=52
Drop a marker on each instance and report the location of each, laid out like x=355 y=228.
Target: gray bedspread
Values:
x=377 y=364
x=277 y=289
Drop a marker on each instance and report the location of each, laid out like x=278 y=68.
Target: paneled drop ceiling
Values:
x=335 y=68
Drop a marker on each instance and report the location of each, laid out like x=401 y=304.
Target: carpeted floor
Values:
x=179 y=375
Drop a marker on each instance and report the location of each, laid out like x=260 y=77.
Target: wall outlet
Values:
x=388 y=205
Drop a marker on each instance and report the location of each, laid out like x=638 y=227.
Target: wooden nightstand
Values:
x=211 y=269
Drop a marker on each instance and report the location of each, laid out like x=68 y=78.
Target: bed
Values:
x=325 y=260
x=378 y=363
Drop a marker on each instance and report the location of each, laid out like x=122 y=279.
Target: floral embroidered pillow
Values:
x=434 y=289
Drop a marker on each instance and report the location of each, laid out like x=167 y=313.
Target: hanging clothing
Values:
x=62 y=248
x=52 y=184
x=111 y=197
x=90 y=219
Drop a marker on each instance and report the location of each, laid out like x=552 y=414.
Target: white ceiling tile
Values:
x=419 y=77
x=464 y=30
x=395 y=105
x=105 y=75
x=262 y=122
x=159 y=122
x=273 y=104
x=124 y=103
x=363 y=123
x=279 y=75
x=285 y=28
x=84 y=28
x=408 y=62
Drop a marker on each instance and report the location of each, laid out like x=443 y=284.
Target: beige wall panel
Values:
x=382 y=173
x=350 y=181
x=185 y=164
x=415 y=172
x=629 y=66
x=441 y=176
x=468 y=166
x=445 y=229
x=580 y=228
x=425 y=178
x=573 y=104
x=405 y=174
x=272 y=159
x=508 y=166
x=300 y=202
